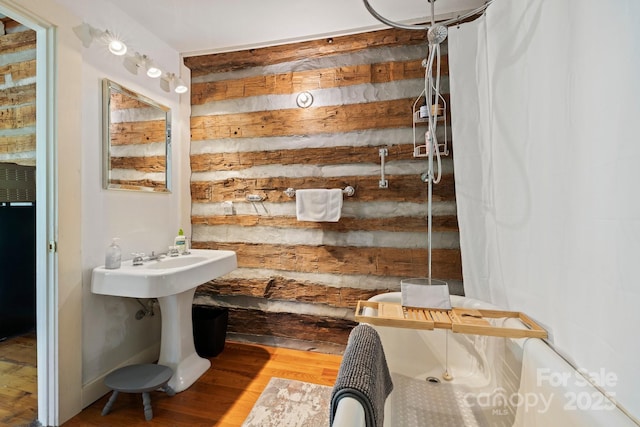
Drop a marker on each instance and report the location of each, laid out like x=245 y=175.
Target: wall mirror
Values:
x=136 y=133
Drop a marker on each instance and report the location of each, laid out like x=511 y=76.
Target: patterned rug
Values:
x=291 y=403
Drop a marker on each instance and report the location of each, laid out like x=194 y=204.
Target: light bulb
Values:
x=117 y=47
x=180 y=86
x=153 y=71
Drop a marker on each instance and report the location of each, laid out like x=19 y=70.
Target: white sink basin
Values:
x=173 y=281
x=175 y=262
x=169 y=276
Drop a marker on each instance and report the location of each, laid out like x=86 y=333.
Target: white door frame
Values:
x=46 y=229
x=46 y=210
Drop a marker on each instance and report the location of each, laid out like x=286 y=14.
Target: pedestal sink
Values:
x=173 y=282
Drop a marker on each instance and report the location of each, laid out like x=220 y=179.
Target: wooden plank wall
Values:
x=137 y=137
x=301 y=280
x=17 y=94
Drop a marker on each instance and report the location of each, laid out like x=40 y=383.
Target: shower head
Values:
x=436 y=34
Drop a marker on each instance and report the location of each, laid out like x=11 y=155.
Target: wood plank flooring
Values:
x=18 y=381
x=224 y=395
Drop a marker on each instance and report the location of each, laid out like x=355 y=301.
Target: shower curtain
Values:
x=544 y=100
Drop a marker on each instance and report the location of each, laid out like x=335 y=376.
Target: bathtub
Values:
x=484 y=381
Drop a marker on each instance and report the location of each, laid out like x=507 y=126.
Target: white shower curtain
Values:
x=544 y=99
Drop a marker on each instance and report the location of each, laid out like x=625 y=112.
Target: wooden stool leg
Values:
x=168 y=390
x=146 y=402
x=109 y=404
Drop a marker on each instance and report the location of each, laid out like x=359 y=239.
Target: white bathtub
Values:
x=492 y=384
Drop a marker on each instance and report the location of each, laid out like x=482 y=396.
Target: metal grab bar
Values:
x=383 y=183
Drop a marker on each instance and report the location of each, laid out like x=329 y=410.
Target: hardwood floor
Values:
x=18 y=381
x=224 y=395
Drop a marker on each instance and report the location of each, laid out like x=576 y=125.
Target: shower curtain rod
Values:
x=424 y=27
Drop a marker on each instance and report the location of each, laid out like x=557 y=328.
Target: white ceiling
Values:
x=205 y=26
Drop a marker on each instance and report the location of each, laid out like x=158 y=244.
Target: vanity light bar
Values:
x=132 y=61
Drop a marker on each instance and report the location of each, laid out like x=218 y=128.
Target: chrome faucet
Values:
x=138 y=258
x=154 y=257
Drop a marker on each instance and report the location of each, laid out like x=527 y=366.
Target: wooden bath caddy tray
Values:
x=462 y=320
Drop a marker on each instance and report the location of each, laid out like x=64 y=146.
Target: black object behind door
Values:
x=17 y=269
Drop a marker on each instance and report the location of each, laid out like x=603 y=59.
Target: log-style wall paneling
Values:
x=367 y=188
x=290 y=325
x=297 y=81
x=137 y=137
x=329 y=119
x=282 y=288
x=137 y=132
x=144 y=164
x=17 y=94
x=230 y=61
x=411 y=224
x=379 y=261
x=302 y=280
x=208 y=162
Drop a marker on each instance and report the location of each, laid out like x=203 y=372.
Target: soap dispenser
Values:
x=180 y=242
x=113 y=256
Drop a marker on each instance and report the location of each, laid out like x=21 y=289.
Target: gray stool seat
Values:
x=141 y=378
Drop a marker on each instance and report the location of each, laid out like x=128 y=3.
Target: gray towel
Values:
x=363 y=375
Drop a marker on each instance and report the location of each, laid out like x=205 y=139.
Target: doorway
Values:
x=18 y=346
x=33 y=133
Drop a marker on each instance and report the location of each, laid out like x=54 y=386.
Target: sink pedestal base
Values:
x=177 y=350
x=173 y=281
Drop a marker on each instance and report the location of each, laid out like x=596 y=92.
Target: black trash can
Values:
x=209 y=329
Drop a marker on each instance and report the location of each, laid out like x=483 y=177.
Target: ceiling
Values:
x=194 y=27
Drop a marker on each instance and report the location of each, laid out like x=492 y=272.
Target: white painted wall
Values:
x=143 y=221
x=98 y=333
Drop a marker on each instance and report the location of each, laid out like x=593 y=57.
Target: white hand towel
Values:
x=319 y=205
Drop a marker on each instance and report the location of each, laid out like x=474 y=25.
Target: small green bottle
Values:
x=180 y=242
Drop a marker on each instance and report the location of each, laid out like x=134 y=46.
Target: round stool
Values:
x=138 y=379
